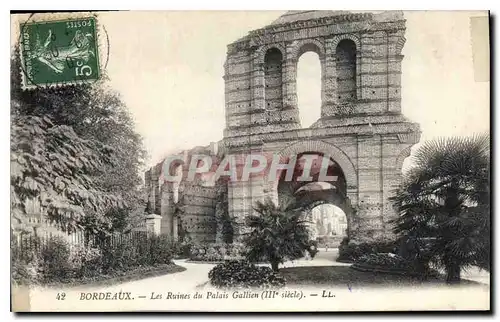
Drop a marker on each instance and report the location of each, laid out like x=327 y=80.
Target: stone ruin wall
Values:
x=197 y=202
x=361 y=125
x=257 y=103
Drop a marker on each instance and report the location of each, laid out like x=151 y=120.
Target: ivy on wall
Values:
x=225 y=224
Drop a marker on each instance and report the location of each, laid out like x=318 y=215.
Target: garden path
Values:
x=194 y=278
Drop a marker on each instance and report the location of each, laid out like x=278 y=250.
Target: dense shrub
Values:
x=19 y=272
x=313 y=248
x=42 y=262
x=86 y=261
x=390 y=263
x=23 y=263
x=119 y=256
x=417 y=251
x=183 y=249
x=350 y=251
x=137 y=252
x=243 y=274
x=55 y=261
x=215 y=252
x=384 y=260
x=24 y=272
x=160 y=250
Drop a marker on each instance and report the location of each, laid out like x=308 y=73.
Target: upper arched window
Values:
x=346 y=70
x=273 y=78
x=309 y=87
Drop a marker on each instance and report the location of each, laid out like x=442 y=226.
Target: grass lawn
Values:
x=118 y=277
x=343 y=275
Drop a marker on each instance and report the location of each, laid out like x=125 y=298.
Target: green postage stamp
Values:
x=59 y=52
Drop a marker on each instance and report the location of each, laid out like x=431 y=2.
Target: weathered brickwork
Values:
x=361 y=127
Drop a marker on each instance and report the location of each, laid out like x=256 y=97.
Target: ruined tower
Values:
x=361 y=127
x=361 y=130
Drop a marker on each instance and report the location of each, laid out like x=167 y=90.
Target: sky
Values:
x=168 y=68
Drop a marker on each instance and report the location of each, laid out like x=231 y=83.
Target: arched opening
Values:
x=346 y=70
x=273 y=78
x=170 y=222
x=309 y=88
x=317 y=193
x=328 y=225
x=308 y=170
x=176 y=183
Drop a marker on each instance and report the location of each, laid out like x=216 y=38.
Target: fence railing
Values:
x=25 y=246
x=33 y=234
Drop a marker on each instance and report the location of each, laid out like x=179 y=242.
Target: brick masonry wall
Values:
x=361 y=127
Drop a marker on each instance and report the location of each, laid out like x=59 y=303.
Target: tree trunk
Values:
x=275 y=265
x=452 y=273
x=453 y=204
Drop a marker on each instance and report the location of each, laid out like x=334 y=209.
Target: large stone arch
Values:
x=311 y=199
x=337 y=39
x=327 y=149
x=333 y=43
x=300 y=44
x=261 y=53
x=406 y=152
x=368 y=162
x=296 y=50
x=345 y=163
x=400 y=44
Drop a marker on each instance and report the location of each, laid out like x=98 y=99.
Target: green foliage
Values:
x=444 y=204
x=55 y=261
x=52 y=165
x=52 y=260
x=20 y=273
x=120 y=256
x=350 y=251
x=183 y=248
x=386 y=260
x=86 y=261
x=55 y=264
x=215 y=252
x=312 y=249
x=224 y=221
x=242 y=274
x=24 y=262
x=392 y=264
x=160 y=250
x=277 y=233
x=86 y=134
x=139 y=251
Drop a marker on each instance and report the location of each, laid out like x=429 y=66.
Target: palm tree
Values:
x=444 y=204
x=278 y=232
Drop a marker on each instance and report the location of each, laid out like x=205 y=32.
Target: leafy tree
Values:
x=444 y=204
x=277 y=233
x=96 y=114
x=52 y=166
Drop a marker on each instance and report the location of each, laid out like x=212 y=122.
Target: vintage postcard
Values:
x=260 y=161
